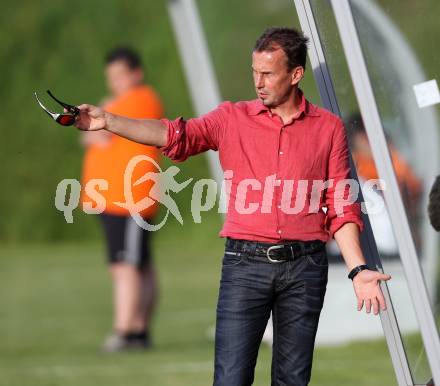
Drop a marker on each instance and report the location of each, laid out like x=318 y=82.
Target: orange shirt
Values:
x=110 y=160
x=366 y=168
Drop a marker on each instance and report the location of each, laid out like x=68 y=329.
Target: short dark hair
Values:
x=291 y=41
x=126 y=54
x=354 y=124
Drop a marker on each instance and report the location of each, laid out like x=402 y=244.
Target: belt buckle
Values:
x=268 y=253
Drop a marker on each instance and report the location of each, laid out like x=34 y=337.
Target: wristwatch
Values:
x=356 y=270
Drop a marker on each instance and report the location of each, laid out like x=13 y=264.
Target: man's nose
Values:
x=259 y=83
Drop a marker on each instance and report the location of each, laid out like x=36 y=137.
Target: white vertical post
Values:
x=197 y=65
x=373 y=126
x=329 y=100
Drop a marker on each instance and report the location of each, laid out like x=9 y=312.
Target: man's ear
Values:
x=297 y=75
x=139 y=75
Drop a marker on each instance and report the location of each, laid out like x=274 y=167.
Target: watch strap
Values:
x=356 y=270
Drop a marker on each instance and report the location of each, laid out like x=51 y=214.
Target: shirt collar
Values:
x=255 y=107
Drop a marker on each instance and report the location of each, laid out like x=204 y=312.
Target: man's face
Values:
x=272 y=79
x=121 y=78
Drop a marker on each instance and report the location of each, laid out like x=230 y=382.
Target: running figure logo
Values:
x=164 y=181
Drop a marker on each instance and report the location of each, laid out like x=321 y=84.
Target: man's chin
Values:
x=265 y=101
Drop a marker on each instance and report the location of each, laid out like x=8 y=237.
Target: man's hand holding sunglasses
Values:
x=91 y=118
x=146 y=131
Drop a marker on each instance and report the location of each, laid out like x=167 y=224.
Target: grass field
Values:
x=56 y=310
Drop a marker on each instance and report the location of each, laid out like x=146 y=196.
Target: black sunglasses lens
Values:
x=66 y=119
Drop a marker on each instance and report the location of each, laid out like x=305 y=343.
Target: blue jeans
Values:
x=250 y=288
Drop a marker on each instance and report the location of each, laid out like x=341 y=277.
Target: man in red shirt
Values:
x=275 y=257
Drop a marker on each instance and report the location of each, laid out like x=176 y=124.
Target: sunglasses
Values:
x=65 y=119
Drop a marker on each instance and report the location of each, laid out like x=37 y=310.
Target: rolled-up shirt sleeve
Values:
x=195 y=135
x=339 y=210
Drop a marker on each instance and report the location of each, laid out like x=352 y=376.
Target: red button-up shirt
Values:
x=255 y=144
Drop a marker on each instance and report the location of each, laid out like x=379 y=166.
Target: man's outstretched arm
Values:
x=146 y=131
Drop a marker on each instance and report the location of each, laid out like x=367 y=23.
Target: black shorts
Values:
x=126 y=241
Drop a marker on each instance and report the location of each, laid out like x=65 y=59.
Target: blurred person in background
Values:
x=434 y=204
x=434 y=219
x=128 y=245
x=410 y=184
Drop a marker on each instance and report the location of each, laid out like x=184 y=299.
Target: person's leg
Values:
x=126 y=256
x=148 y=287
x=299 y=299
x=149 y=296
x=126 y=297
x=244 y=304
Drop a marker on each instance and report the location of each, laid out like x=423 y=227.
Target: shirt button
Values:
x=279 y=206
x=281 y=152
x=279 y=231
x=177 y=131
